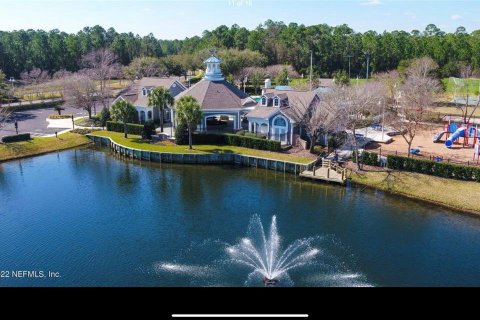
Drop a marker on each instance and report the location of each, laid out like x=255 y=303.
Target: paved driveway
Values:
x=35 y=122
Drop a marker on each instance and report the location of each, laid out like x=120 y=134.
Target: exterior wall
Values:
x=202 y=126
x=255 y=125
x=154 y=113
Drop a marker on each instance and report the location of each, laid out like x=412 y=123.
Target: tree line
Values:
x=332 y=48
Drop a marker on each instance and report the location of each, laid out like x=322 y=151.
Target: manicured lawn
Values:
x=135 y=142
x=455 y=194
x=36 y=146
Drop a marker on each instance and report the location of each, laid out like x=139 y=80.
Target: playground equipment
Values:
x=454 y=129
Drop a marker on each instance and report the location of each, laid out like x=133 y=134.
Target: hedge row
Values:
x=367 y=158
x=60 y=116
x=136 y=129
x=236 y=140
x=16 y=138
x=439 y=169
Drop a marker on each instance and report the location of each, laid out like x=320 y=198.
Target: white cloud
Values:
x=456 y=17
x=371 y=3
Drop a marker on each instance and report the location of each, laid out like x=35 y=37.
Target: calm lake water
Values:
x=98 y=220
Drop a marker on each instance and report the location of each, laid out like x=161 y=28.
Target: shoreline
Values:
x=359 y=179
x=69 y=143
x=375 y=186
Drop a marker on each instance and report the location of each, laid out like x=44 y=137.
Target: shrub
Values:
x=439 y=169
x=83 y=131
x=181 y=134
x=136 y=129
x=317 y=150
x=16 y=138
x=236 y=140
x=240 y=132
x=148 y=130
x=58 y=116
x=104 y=116
x=367 y=158
x=255 y=135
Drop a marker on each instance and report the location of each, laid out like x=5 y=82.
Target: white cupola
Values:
x=213 y=73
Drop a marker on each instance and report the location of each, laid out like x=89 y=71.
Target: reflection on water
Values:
x=101 y=220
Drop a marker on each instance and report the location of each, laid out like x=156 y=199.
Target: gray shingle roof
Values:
x=134 y=92
x=298 y=102
x=217 y=95
x=263 y=112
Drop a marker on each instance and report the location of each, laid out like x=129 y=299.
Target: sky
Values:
x=168 y=19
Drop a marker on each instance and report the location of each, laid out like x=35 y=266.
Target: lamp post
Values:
x=288 y=81
x=73 y=123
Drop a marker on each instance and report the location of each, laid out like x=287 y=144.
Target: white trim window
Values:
x=144 y=92
x=264 y=101
x=280 y=129
x=276 y=102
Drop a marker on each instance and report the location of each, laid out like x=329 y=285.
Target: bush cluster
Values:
x=60 y=116
x=367 y=158
x=439 y=169
x=83 y=131
x=136 y=129
x=16 y=138
x=232 y=140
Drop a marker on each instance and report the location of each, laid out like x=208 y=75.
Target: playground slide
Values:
x=438 y=136
x=460 y=132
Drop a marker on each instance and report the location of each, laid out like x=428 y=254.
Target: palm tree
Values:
x=160 y=98
x=123 y=111
x=188 y=112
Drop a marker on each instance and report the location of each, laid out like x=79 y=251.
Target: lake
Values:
x=85 y=217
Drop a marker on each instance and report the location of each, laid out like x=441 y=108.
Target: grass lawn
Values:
x=135 y=142
x=455 y=194
x=471 y=86
x=36 y=146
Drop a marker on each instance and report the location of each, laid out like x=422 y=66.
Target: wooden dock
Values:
x=327 y=172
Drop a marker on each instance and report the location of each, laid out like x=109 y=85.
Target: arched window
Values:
x=276 y=102
x=144 y=92
x=149 y=115
x=280 y=122
x=142 y=116
x=264 y=101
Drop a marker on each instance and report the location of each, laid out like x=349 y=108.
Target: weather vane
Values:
x=213 y=52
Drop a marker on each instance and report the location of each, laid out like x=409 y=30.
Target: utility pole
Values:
x=311 y=70
x=349 y=56
x=367 y=54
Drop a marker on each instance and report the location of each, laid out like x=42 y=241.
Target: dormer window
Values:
x=144 y=92
x=264 y=101
x=276 y=102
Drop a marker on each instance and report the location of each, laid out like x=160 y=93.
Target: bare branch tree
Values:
x=4 y=116
x=315 y=117
x=80 y=92
x=101 y=65
x=414 y=97
x=353 y=105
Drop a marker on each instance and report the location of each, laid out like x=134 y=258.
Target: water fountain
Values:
x=264 y=254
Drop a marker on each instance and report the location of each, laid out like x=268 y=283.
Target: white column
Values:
x=205 y=124
x=291 y=133
x=235 y=122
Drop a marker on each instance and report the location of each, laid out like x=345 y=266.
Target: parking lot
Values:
x=34 y=121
